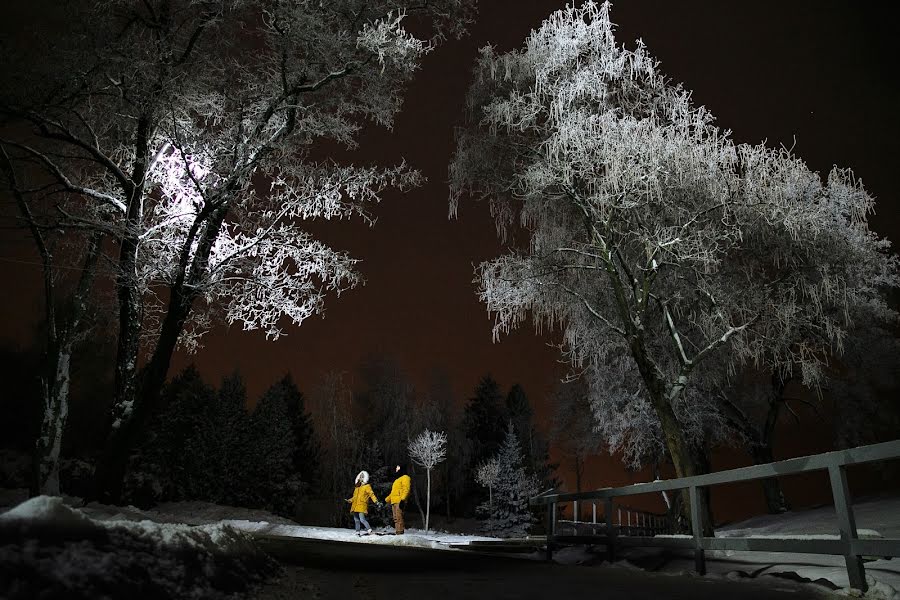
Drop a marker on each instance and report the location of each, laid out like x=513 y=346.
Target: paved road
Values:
x=324 y=570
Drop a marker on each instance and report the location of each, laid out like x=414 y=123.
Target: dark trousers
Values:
x=398 y=517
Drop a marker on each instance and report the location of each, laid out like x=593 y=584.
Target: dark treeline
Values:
x=292 y=453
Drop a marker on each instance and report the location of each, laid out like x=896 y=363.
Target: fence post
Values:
x=551 y=521
x=610 y=532
x=856 y=572
x=697 y=528
x=575 y=513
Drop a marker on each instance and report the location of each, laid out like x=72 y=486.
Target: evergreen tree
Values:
x=509 y=514
x=306 y=459
x=224 y=439
x=171 y=464
x=483 y=420
x=271 y=450
x=535 y=449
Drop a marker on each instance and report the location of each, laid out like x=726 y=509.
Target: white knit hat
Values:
x=363 y=477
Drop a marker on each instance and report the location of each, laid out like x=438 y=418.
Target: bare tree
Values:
x=65 y=319
x=653 y=239
x=574 y=433
x=428 y=450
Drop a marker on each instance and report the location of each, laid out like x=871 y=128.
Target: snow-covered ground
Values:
x=877 y=517
x=437 y=540
x=69 y=543
x=51 y=550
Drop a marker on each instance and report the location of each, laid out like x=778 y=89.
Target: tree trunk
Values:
x=59 y=346
x=127 y=426
x=428 y=499
x=53 y=423
x=762 y=452
x=415 y=492
x=684 y=461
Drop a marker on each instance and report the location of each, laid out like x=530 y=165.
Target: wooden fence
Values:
x=612 y=533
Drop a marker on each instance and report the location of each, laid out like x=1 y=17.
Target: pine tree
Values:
x=509 y=514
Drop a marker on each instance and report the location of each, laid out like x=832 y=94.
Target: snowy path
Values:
x=332 y=569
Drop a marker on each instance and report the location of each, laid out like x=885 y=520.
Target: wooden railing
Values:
x=849 y=545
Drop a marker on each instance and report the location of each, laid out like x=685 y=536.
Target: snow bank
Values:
x=47 y=512
x=51 y=550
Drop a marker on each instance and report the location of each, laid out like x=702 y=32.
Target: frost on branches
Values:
x=654 y=241
x=428 y=450
x=195 y=135
x=511 y=487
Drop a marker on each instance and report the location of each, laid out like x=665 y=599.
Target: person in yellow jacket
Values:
x=397 y=497
x=359 y=503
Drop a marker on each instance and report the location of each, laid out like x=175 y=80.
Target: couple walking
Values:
x=362 y=493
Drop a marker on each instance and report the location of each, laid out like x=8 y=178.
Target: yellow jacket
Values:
x=361 y=496
x=399 y=491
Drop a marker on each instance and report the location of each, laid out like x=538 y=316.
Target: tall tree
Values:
x=483 y=419
x=189 y=130
x=651 y=235
x=65 y=323
x=305 y=459
x=274 y=484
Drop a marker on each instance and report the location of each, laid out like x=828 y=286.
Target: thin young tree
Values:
x=428 y=450
x=486 y=475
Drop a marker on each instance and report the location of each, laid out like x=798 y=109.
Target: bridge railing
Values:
x=835 y=463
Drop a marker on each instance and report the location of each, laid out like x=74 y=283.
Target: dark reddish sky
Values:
x=817 y=71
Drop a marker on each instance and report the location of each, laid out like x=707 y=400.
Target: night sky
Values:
x=823 y=73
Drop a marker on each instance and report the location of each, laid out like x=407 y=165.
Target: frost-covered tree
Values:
x=428 y=450
x=486 y=475
x=645 y=233
x=508 y=511
x=192 y=134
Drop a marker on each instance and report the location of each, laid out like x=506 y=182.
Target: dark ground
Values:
x=325 y=570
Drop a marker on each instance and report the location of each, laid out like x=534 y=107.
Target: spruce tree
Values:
x=224 y=439
x=275 y=486
x=509 y=514
x=170 y=463
x=306 y=458
x=483 y=420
